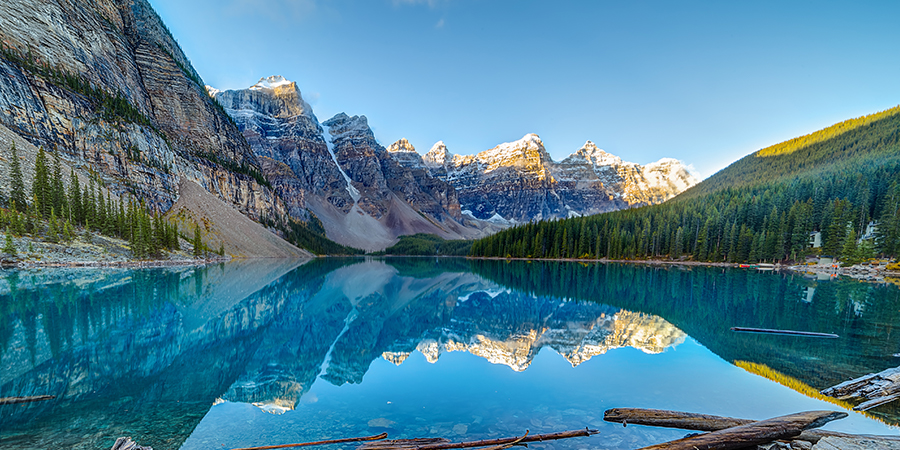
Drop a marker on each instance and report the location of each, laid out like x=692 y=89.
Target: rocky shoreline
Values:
x=95 y=250
x=856 y=271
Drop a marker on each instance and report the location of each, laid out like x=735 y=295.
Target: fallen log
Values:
x=330 y=441
x=876 y=388
x=405 y=444
x=761 y=432
x=36 y=398
x=705 y=422
x=125 y=443
x=784 y=332
x=672 y=419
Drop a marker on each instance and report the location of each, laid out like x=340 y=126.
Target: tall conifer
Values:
x=16 y=183
x=40 y=185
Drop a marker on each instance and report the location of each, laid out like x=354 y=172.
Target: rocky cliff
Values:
x=282 y=128
x=105 y=84
x=338 y=171
x=519 y=182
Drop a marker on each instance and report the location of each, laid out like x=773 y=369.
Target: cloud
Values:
x=284 y=11
x=439 y=24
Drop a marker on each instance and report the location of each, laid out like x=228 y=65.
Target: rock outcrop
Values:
x=106 y=85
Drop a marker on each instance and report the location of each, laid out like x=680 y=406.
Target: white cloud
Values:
x=276 y=10
x=439 y=24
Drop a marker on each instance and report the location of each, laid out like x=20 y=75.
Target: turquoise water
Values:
x=262 y=353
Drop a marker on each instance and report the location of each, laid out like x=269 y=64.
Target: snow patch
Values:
x=354 y=193
x=492 y=293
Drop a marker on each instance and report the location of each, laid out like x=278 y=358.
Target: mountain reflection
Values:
x=146 y=353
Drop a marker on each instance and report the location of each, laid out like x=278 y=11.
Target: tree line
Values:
x=762 y=208
x=54 y=211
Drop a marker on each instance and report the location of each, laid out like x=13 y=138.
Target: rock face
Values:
x=519 y=182
x=338 y=171
x=122 y=98
x=282 y=130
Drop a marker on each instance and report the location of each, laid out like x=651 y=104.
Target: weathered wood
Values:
x=705 y=422
x=125 y=443
x=482 y=443
x=672 y=419
x=36 y=398
x=876 y=388
x=398 y=444
x=785 y=332
x=761 y=432
x=330 y=441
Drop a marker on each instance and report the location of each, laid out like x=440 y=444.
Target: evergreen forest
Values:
x=54 y=211
x=842 y=182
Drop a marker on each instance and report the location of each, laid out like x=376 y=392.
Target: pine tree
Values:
x=17 y=198
x=9 y=248
x=58 y=191
x=176 y=245
x=75 y=212
x=40 y=185
x=87 y=204
x=197 y=242
x=100 y=217
x=53 y=231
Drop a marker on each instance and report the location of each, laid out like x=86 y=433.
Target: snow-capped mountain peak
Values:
x=403 y=146
x=404 y=153
x=594 y=155
x=438 y=155
x=271 y=82
x=528 y=152
x=211 y=91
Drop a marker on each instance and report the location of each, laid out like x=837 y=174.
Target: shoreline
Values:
x=844 y=271
x=113 y=264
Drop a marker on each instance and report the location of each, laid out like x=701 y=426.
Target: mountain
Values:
x=842 y=182
x=519 y=182
x=286 y=136
x=106 y=85
x=338 y=171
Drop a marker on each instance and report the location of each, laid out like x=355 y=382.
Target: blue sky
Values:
x=704 y=82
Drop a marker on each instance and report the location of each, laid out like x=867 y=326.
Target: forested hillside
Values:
x=761 y=208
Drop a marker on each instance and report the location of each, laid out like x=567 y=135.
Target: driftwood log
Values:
x=402 y=443
x=330 y=441
x=876 y=388
x=419 y=444
x=36 y=398
x=705 y=422
x=761 y=432
x=125 y=443
x=785 y=332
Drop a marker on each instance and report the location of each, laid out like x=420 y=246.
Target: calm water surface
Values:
x=248 y=354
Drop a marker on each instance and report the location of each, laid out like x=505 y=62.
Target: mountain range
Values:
x=841 y=183
x=367 y=195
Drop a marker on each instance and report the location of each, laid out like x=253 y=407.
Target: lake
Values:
x=254 y=353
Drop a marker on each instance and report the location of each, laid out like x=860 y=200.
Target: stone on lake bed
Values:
x=460 y=428
x=381 y=422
